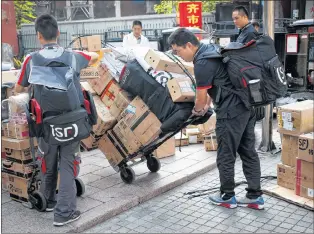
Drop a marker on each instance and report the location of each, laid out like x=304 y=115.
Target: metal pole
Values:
x=267 y=143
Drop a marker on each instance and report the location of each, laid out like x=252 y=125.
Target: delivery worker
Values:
x=235 y=122
x=64 y=208
x=135 y=38
x=240 y=18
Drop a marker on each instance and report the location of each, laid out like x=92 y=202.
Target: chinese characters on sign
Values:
x=190 y=14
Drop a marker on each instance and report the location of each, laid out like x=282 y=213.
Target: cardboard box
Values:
x=89 y=73
x=126 y=137
x=17 y=186
x=181 y=141
x=85 y=85
x=195 y=136
x=17 y=144
x=208 y=126
x=289 y=150
x=113 y=151
x=306 y=147
x=4 y=181
x=14 y=168
x=304 y=179
x=161 y=62
x=210 y=142
x=286 y=176
x=105 y=120
x=181 y=90
x=115 y=98
x=168 y=148
x=16 y=131
x=136 y=109
x=9 y=76
x=99 y=84
x=90 y=142
x=94 y=43
x=19 y=156
x=80 y=43
x=296 y=118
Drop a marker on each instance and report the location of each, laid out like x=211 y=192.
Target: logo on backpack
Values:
x=64 y=134
x=281 y=75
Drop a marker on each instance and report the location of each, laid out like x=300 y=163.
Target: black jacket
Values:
x=246 y=34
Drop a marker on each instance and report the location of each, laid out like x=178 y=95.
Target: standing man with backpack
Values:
x=50 y=57
x=235 y=121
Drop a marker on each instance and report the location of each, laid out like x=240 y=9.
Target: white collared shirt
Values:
x=130 y=41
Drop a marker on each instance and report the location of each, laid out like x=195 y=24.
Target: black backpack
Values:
x=254 y=69
x=59 y=110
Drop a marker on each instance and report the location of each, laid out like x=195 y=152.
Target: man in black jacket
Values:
x=235 y=122
x=240 y=18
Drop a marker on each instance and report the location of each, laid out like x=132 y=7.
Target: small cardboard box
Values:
x=89 y=73
x=99 y=84
x=115 y=98
x=80 y=43
x=9 y=76
x=126 y=137
x=181 y=141
x=304 y=179
x=208 y=126
x=105 y=120
x=161 y=62
x=94 y=43
x=16 y=131
x=85 y=85
x=286 y=176
x=17 y=144
x=210 y=142
x=181 y=90
x=113 y=151
x=306 y=147
x=14 y=168
x=296 y=118
x=17 y=186
x=167 y=149
x=195 y=136
x=90 y=142
x=136 y=109
x=19 y=156
x=289 y=151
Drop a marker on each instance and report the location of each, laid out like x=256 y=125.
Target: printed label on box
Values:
x=310 y=192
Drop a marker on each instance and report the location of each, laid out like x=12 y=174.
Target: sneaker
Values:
x=60 y=221
x=257 y=203
x=51 y=206
x=217 y=199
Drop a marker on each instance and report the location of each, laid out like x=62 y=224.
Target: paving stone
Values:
x=193 y=226
x=233 y=230
x=281 y=230
x=269 y=227
x=304 y=224
x=286 y=225
x=291 y=221
x=274 y=222
x=183 y=222
x=251 y=229
x=298 y=228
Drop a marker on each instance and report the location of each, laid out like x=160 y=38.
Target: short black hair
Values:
x=255 y=23
x=137 y=22
x=242 y=10
x=182 y=36
x=47 y=25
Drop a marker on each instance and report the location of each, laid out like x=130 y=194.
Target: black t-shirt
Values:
x=247 y=34
x=210 y=74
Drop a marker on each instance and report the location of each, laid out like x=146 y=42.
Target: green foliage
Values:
x=24 y=11
x=166 y=6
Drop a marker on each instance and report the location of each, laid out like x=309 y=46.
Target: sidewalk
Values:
x=106 y=194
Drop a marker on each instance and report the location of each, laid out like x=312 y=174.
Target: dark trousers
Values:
x=237 y=135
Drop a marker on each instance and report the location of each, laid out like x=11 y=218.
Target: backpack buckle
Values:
x=225 y=59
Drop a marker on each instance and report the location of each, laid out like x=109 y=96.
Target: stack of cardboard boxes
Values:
x=208 y=129
x=296 y=170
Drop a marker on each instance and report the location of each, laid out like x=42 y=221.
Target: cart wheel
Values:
x=127 y=174
x=80 y=187
x=41 y=202
x=153 y=164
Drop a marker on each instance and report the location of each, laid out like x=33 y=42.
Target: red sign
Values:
x=190 y=14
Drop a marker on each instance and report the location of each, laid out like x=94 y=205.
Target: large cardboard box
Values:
x=16 y=131
x=17 y=186
x=210 y=142
x=18 y=169
x=9 y=76
x=19 y=156
x=181 y=140
x=306 y=147
x=136 y=109
x=167 y=149
x=181 y=90
x=85 y=85
x=115 y=98
x=286 y=176
x=209 y=126
x=17 y=144
x=94 y=43
x=161 y=62
x=80 y=43
x=90 y=142
x=289 y=151
x=296 y=118
x=304 y=179
x=111 y=148
x=99 y=84
x=105 y=120
x=89 y=73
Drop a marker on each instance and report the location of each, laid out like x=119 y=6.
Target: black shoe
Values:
x=60 y=221
x=50 y=206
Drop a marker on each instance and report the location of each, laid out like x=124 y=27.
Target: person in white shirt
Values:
x=136 y=38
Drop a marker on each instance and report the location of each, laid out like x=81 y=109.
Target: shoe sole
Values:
x=226 y=205
x=64 y=223
x=49 y=209
x=252 y=206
